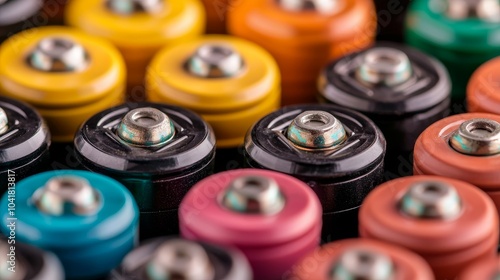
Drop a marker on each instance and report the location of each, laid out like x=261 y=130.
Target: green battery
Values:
x=462 y=34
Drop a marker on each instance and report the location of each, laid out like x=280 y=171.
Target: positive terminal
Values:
x=129 y=7
x=320 y=6
x=215 y=61
x=361 y=264
x=463 y=9
x=477 y=137
x=384 y=66
x=59 y=54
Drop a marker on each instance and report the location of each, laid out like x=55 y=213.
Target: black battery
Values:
x=157 y=151
x=173 y=258
x=401 y=89
x=18 y=15
x=24 y=142
x=338 y=152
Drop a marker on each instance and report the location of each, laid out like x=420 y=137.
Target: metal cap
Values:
x=254 y=195
x=180 y=259
x=67 y=195
x=4 y=121
x=146 y=127
x=316 y=129
x=8 y=258
x=361 y=264
x=384 y=66
x=477 y=137
x=129 y=7
x=431 y=199
x=215 y=61
x=320 y=6
x=59 y=54
x=483 y=9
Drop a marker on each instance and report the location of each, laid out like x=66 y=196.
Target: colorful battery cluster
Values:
x=465 y=147
x=461 y=34
x=139 y=28
x=274 y=219
x=24 y=262
x=18 y=15
x=399 y=88
x=338 y=152
x=361 y=259
x=88 y=220
x=483 y=89
x=304 y=35
x=450 y=223
x=175 y=258
x=24 y=142
x=391 y=15
x=157 y=151
x=230 y=82
x=489 y=269
x=65 y=74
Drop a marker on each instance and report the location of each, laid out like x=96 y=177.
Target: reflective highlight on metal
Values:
x=321 y=6
x=180 y=259
x=59 y=54
x=431 y=199
x=67 y=195
x=386 y=66
x=4 y=121
x=146 y=127
x=5 y=263
x=464 y=9
x=215 y=61
x=254 y=195
x=477 y=137
x=361 y=264
x=129 y=7
x=316 y=129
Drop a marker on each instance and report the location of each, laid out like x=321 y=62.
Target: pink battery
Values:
x=274 y=219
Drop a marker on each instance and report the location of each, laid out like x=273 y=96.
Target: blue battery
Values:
x=88 y=220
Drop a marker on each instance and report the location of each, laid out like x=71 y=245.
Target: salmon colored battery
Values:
x=274 y=219
x=64 y=73
x=139 y=28
x=230 y=82
x=482 y=270
x=450 y=223
x=465 y=147
x=304 y=36
x=484 y=88
x=361 y=259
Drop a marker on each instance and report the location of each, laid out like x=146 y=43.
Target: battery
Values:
x=139 y=28
x=157 y=151
x=175 y=258
x=391 y=15
x=20 y=261
x=489 y=269
x=399 y=88
x=24 y=142
x=483 y=89
x=230 y=82
x=274 y=219
x=361 y=259
x=464 y=147
x=450 y=223
x=304 y=35
x=338 y=152
x=65 y=74
x=88 y=220
x=18 y=15
x=461 y=34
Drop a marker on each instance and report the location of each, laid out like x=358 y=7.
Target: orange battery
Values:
x=450 y=223
x=489 y=269
x=361 y=259
x=483 y=90
x=465 y=147
x=304 y=36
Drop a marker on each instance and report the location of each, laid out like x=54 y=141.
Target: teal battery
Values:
x=88 y=220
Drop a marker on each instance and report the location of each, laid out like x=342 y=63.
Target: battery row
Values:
x=141 y=117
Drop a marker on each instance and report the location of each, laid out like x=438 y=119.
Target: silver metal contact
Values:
x=477 y=137
x=431 y=199
x=384 y=66
x=215 y=61
x=254 y=195
x=4 y=121
x=129 y=7
x=146 y=127
x=321 y=6
x=463 y=9
x=360 y=264
x=59 y=54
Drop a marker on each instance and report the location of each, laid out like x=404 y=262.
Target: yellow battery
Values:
x=139 y=28
x=231 y=82
x=66 y=74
